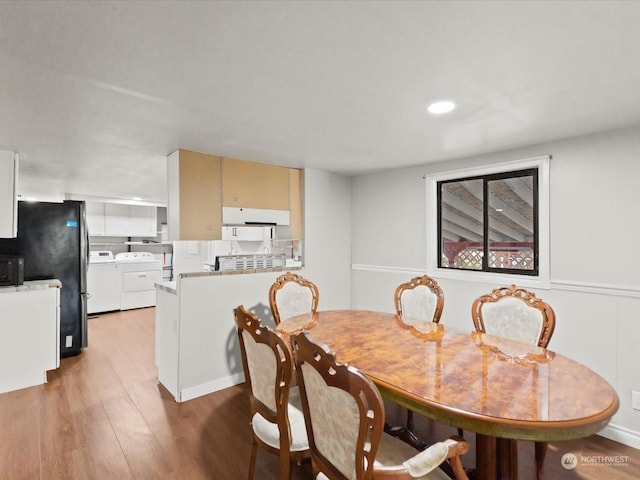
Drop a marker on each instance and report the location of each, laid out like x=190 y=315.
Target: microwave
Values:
x=11 y=270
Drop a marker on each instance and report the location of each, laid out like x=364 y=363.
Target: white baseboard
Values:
x=210 y=387
x=622 y=435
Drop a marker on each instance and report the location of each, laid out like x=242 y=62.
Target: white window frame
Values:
x=539 y=281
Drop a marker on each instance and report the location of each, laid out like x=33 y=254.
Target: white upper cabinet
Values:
x=95 y=217
x=119 y=220
x=8 y=194
x=253 y=234
x=243 y=216
x=130 y=220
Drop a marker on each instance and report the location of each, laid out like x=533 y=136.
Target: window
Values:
x=490 y=223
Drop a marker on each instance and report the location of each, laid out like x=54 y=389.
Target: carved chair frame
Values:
x=280 y=282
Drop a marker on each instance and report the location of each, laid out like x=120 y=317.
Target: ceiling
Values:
x=94 y=95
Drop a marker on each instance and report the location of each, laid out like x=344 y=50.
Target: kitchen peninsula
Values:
x=196 y=343
x=31 y=329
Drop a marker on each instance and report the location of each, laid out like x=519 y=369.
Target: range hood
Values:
x=254 y=216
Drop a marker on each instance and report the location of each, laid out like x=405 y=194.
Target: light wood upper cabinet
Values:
x=194 y=192
x=8 y=194
x=254 y=185
x=199 y=185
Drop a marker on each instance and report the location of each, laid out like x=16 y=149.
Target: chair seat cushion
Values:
x=393 y=452
x=268 y=432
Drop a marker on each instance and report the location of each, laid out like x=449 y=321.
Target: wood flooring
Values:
x=102 y=415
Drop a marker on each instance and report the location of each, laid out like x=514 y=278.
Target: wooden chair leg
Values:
x=285 y=468
x=541 y=452
x=252 y=459
x=285 y=463
x=410 y=420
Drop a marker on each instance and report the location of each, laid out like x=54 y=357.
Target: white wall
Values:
x=327 y=237
x=595 y=285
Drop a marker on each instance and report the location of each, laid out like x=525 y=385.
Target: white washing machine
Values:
x=140 y=272
x=104 y=282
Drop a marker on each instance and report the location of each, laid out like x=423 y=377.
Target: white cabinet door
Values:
x=8 y=198
x=116 y=220
x=130 y=220
x=31 y=326
x=143 y=220
x=95 y=218
x=255 y=234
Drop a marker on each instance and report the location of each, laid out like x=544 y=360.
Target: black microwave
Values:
x=11 y=270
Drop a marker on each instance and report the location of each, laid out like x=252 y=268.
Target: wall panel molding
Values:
x=610 y=289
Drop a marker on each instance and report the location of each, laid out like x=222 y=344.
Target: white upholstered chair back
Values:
x=516 y=314
x=419 y=300
x=512 y=318
x=335 y=421
x=292 y=295
x=418 y=304
x=293 y=299
x=261 y=363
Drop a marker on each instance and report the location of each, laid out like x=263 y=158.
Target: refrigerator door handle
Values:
x=84 y=340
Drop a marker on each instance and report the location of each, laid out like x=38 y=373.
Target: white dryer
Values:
x=140 y=272
x=104 y=283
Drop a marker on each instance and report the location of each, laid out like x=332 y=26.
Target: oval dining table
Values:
x=502 y=390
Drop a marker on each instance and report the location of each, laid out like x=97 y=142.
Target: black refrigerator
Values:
x=54 y=241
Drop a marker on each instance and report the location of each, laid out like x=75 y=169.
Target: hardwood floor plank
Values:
x=56 y=421
x=106 y=467
x=69 y=465
x=144 y=455
x=19 y=434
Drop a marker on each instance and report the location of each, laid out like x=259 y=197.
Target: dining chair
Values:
x=292 y=295
x=418 y=301
x=516 y=314
x=277 y=421
x=344 y=414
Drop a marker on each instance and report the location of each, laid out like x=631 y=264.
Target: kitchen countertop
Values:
x=33 y=285
x=167 y=287
x=171 y=287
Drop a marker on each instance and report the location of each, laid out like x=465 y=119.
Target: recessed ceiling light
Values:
x=438 y=108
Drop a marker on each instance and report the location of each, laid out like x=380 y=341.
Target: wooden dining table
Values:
x=503 y=390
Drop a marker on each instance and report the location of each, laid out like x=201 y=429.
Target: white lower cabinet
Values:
x=167 y=341
x=197 y=350
x=30 y=323
x=196 y=345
